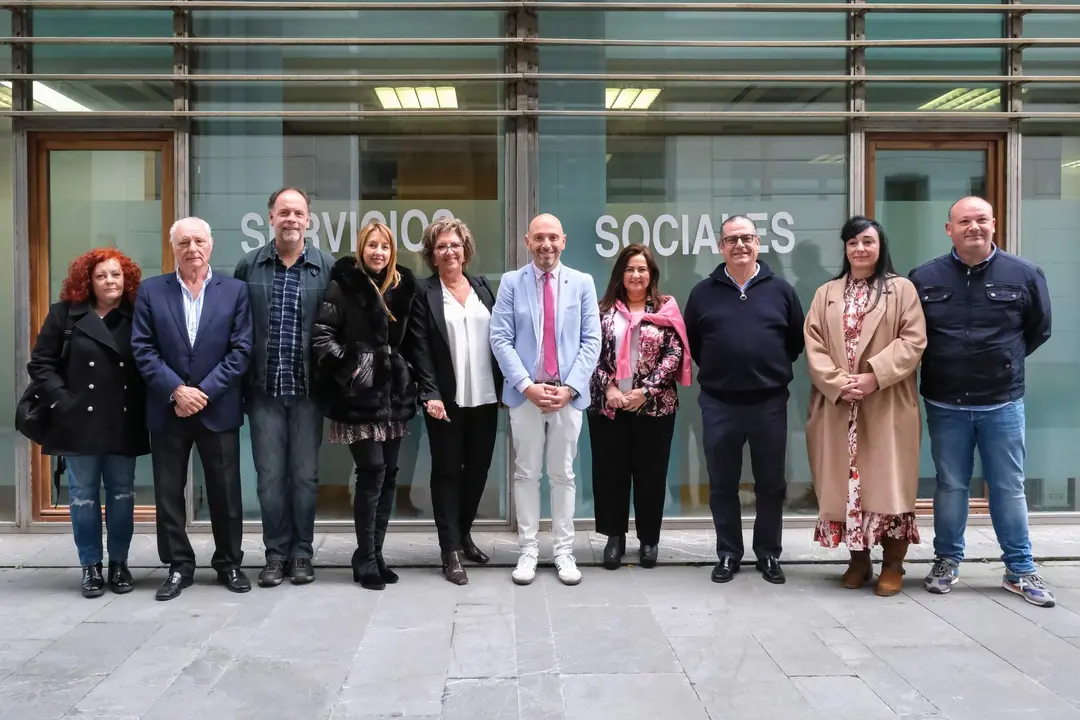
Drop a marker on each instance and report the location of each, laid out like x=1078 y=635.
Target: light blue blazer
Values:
x=515 y=331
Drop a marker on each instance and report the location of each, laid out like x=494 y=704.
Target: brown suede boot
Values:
x=891 y=578
x=859 y=570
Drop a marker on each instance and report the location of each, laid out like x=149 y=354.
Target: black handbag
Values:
x=33 y=414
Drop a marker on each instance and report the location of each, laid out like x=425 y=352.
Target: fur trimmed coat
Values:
x=353 y=331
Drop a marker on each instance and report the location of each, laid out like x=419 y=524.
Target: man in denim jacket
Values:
x=286 y=280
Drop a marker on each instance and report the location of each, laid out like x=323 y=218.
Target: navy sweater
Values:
x=744 y=349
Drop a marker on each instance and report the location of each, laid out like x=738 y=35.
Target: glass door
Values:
x=85 y=192
x=910 y=186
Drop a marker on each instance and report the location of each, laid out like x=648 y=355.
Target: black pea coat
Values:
x=97 y=394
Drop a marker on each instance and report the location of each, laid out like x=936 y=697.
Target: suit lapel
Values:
x=92 y=325
x=175 y=295
x=531 y=279
x=435 y=304
x=870 y=323
x=209 y=292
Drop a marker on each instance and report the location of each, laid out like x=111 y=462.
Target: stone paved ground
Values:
x=651 y=644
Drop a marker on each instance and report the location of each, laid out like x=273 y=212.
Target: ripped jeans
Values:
x=85 y=474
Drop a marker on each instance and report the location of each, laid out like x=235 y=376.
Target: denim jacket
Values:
x=257 y=270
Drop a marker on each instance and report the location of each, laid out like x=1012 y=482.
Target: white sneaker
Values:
x=567 y=567
x=526 y=569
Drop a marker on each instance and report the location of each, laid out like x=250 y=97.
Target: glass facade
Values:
x=647 y=123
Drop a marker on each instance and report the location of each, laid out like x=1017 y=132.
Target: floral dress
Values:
x=861 y=530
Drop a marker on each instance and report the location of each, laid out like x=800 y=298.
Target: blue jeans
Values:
x=286 y=433
x=85 y=474
x=999 y=436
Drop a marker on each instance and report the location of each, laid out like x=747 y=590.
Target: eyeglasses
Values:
x=451 y=248
x=733 y=240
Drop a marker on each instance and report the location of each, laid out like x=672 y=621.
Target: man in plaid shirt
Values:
x=286 y=282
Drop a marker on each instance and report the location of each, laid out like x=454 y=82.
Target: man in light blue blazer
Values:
x=545 y=334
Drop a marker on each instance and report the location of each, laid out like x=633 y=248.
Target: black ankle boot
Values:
x=452 y=568
x=120 y=580
x=614 y=551
x=388 y=576
x=366 y=572
x=93 y=582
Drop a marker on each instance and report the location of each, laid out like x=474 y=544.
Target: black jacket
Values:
x=352 y=322
x=429 y=349
x=744 y=348
x=981 y=322
x=99 y=396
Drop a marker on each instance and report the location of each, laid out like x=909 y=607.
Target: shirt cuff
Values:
x=523 y=385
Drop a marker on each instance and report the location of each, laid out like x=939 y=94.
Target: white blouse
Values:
x=467 y=329
x=619 y=323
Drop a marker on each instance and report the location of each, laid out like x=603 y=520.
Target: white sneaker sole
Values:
x=575 y=581
x=523 y=581
x=1016 y=591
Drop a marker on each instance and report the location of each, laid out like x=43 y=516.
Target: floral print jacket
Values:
x=659 y=359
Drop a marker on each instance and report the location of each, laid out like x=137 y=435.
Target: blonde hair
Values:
x=393 y=277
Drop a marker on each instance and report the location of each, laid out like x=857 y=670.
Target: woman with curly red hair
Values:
x=84 y=369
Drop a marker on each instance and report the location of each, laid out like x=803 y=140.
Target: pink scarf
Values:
x=669 y=316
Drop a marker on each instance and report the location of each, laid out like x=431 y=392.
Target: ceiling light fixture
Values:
x=630 y=98
x=965 y=99
x=45 y=95
x=837 y=159
x=1072 y=165
x=417 y=98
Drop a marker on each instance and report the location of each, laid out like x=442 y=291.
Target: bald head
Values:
x=545 y=241
x=971 y=228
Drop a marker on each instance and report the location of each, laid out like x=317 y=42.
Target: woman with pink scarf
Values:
x=634 y=398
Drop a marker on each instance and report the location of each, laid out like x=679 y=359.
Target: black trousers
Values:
x=630 y=448
x=376 y=478
x=726 y=429
x=220 y=455
x=461 y=453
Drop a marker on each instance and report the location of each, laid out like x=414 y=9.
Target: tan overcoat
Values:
x=891 y=344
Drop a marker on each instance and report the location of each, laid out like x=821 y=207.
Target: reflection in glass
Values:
x=673 y=192
x=1050 y=206
x=913 y=191
x=353 y=177
x=105 y=198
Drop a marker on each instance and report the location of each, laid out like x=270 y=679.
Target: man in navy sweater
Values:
x=745 y=329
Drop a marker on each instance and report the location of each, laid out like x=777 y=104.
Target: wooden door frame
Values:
x=995 y=146
x=39 y=145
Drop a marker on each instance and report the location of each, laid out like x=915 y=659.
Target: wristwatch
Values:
x=574 y=394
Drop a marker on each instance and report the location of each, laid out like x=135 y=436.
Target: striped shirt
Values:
x=285 y=346
x=193 y=305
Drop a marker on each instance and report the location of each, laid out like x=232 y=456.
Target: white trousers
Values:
x=539 y=439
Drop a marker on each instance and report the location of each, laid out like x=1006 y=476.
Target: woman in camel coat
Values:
x=865 y=334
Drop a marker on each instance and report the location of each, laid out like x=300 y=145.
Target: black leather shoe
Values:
x=301 y=572
x=452 y=568
x=724 y=571
x=120 y=580
x=234 y=579
x=272 y=574
x=471 y=552
x=648 y=555
x=770 y=570
x=173 y=585
x=93 y=584
x=614 y=551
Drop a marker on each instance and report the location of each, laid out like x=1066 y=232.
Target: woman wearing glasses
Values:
x=459 y=387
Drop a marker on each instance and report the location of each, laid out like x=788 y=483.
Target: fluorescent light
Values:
x=630 y=98
x=626 y=99
x=608 y=158
x=408 y=97
x=1073 y=165
x=837 y=159
x=447 y=97
x=52 y=99
x=417 y=98
x=965 y=99
x=429 y=100
x=645 y=99
x=388 y=98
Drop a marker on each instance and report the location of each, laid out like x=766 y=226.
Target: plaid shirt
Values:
x=285 y=347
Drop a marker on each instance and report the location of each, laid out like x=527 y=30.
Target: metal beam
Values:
x=536 y=5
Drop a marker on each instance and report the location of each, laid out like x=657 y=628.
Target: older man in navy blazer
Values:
x=191 y=337
x=545 y=334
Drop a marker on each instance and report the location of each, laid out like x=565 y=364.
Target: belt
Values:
x=553 y=383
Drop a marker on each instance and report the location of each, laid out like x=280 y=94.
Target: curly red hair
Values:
x=78 y=285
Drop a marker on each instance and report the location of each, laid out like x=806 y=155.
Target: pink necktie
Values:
x=551 y=358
